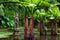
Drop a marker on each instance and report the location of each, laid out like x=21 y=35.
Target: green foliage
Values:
x=54 y=12
x=5 y=22
x=41 y=10
x=40 y=15
x=44 y=4
x=9 y=0
x=1 y=10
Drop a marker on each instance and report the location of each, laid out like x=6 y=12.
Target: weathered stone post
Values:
x=16 y=34
x=26 y=28
x=31 y=35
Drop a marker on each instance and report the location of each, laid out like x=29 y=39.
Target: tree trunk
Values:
x=26 y=28
x=41 y=28
x=54 y=28
x=31 y=35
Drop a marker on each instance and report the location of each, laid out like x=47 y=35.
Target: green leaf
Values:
x=6 y=18
x=3 y=22
x=12 y=23
x=1 y=10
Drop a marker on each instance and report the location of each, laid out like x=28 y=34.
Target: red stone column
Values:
x=26 y=28
x=31 y=35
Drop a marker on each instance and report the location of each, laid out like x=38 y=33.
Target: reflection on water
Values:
x=54 y=37
x=42 y=37
x=49 y=37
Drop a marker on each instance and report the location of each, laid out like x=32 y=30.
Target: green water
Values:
x=43 y=38
x=49 y=37
x=4 y=35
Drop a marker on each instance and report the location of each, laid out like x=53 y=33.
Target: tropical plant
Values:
x=5 y=22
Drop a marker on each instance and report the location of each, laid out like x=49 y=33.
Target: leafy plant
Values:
x=5 y=22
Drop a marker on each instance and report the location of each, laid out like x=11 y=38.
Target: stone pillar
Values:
x=16 y=34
